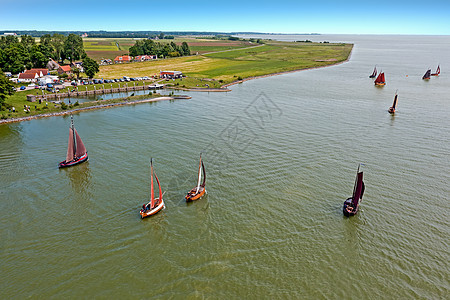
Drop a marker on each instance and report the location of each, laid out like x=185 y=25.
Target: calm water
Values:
x=281 y=155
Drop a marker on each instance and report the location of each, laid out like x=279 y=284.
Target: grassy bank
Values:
x=229 y=66
x=45 y=107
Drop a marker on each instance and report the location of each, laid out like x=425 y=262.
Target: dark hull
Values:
x=346 y=211
x=372 y=76
x=80 y=160
x=391 y=110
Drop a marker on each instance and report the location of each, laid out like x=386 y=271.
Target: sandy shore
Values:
x=66 y=112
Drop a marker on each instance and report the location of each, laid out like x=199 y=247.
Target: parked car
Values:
x=49 y=85
x=22 y=88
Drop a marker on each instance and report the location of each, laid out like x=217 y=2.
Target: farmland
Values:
x=97 y=48
x=229 y=66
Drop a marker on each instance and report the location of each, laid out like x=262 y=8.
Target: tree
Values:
x=161 y=36
x=14 y=58
x=6 y=88
x=38 y=59
x=76 y=71
x=27 y=41
x=185 y=49
x=73 y=47
x=90 y=67
x=58 y=44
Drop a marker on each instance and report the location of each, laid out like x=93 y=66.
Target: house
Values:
x=67 y=69
x=28 y=77
x=170 y=74
x=52 y=65
x=32 y=75
x=79 y=65
x=123 y=59
x=145 y=57
x=104 y=62
x=47 y=79
x=40 y=72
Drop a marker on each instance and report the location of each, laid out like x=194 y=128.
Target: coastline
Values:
x=66 y=112
x=223 y=88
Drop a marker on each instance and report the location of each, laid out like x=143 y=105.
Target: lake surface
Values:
x=280 y=154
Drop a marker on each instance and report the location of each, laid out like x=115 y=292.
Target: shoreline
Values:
x=223 y=88
x=100 y=106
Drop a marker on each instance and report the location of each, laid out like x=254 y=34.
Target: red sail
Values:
x=81 y=149
x=380 y=78
x=357 y=194
x=160 y=194
x=70 y=147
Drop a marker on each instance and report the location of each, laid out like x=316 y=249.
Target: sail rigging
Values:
x=395 y=101
x=374 y=73
x=438 y=71
x=199 y=174
x=153 y=201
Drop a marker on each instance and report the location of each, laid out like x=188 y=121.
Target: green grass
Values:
x=273 y=57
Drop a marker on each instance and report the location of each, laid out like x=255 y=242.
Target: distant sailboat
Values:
x=438 y=71
x=351 y=205
x=374 y=73
x=154 y=205
x=380 y=79
x=76 y=151
x=200 y=190
x=391 y=109
x=427 y=75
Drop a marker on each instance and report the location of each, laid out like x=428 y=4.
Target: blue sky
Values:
x=313 y=16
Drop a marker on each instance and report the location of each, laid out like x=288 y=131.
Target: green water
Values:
x=280 y=154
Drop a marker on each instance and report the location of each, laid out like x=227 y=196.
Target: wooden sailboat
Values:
x=438 y=71
x=427 y=75
x=76 y=151
x=154 y=205
x=374 y=73
x=391 y=109
x=200 y=190
x=351 y=205
x=380 y=81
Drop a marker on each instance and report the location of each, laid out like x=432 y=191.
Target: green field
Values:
x=103 y=48
x=273 y=57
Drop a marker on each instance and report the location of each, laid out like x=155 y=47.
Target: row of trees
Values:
x=149 y=47
x=17 y=54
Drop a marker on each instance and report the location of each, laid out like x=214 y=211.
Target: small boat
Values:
x=374 y=73
x=380 y=79
x=391 y=109
x=76 y=151
x=154 y=205
x=351 y=205
x=427 y=75
x=200 y=190
x=438 y=71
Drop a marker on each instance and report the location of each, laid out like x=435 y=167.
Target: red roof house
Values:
x=122 y=59
x=65 y=69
